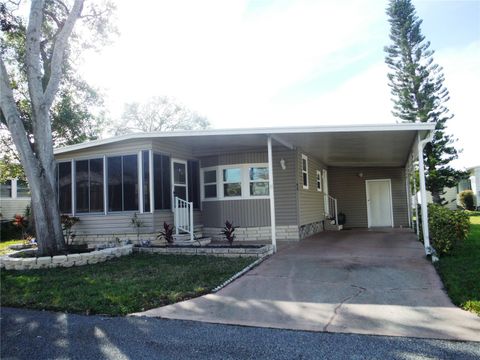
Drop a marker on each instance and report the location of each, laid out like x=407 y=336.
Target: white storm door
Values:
x=379 y=203
x=179 y=180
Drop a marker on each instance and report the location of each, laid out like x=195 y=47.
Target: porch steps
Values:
x=329 y=226
x=184 y=238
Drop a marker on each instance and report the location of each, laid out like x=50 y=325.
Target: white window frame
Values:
x=255 y=181
x=245 y=182
x=242 y=182
x=319 y=181
x=203 y=183
x=305 y=157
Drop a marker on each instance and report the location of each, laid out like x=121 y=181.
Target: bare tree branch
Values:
x=59 y=52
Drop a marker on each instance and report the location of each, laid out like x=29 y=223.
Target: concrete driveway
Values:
x=367 y=282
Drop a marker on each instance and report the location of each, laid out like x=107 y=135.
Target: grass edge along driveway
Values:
x=460 y=271
x=118 y=287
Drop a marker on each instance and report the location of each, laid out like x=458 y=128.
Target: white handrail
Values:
x=183 y=217
x=331 y=207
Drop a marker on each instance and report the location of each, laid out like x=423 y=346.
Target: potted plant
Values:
x=341 y=220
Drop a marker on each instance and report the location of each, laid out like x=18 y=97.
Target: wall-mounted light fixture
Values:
x=360 y=174
x=282 y=164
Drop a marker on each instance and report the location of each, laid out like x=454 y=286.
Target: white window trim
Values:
x=203 y=183
x=305 y=157
x=257 y=181
x=245 y=182
x=319 y=181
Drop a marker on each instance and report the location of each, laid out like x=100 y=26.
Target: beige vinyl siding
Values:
x=242 y=213
x=251 y=157
x=123 y=148
x=255 y=212
x=310 y=201
x=350 y=191
x=119 y=223
x=10 y=207
x=161 y=216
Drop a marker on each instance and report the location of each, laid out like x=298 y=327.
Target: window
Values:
x=6 y=189
x=258 y=179
x=305 y=171
x=123 y=183
x=81 y=186
x=130 y=182
x=89 y=185
x=232 y=182
x=96 y=185
x=210 y=184
x=146 y=180
x=319 y=180
x=22 y=189
x=239 y=181
x=162 y=182
x=65 y=187
x=114 y=171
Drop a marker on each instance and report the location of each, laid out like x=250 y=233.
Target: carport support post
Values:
x=423 y=194
x=272 y=196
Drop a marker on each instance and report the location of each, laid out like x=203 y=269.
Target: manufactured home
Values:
x=271 y=183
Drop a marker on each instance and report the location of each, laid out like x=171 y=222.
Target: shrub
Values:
x=228 y=232
x=167 y=233
x=447 y=227
x=467 y=199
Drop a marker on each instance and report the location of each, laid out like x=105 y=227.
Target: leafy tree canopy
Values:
x=77 y=113
x=160 y=113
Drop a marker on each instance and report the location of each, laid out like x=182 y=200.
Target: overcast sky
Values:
x=283 y=63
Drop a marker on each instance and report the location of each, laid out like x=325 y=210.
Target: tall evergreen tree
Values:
x=419 y=94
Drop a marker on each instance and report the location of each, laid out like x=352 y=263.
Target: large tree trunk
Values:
x=37 y=159
x=48 y=228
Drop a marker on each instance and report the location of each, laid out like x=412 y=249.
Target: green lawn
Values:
x=118 y=287
x=5 y=244
x=460 y=271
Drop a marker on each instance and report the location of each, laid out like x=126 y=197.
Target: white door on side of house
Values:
x=379 y=203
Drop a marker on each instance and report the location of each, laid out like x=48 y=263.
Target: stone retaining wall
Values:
x=93 y=257
x=212 y=251
x=263 y=233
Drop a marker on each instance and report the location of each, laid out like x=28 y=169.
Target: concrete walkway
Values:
x=351 y=281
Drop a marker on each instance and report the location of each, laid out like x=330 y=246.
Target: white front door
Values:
x=379 y=203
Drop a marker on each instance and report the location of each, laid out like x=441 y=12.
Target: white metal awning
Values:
x=353 y=145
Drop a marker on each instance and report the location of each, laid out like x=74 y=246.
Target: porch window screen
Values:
x=123 y=183
x=89 y=185
x=6 y=189
x=162 y=182
x=232 y=182
x=305 y=171
x=258 y=178
x=146 y=180
x=210 y=184
x=194 y=183
x=64 y=181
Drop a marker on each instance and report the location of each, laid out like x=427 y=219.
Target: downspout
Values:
x=423 y=192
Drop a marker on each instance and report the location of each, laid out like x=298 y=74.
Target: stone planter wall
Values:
x=93 y=257
x=263 y=233
x=209 y=251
